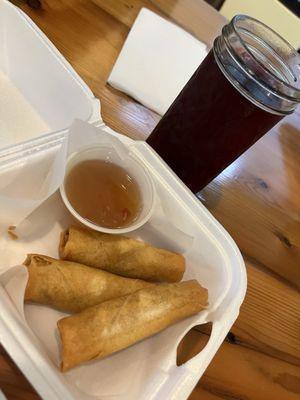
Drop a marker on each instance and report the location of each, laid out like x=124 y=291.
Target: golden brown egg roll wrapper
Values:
x=116 y=324
x=72 y=287
x=121 y=255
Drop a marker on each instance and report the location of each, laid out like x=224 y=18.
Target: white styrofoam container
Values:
x=214 y=260
x=58 y=95
x=41 y=76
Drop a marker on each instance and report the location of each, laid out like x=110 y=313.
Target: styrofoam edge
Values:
x=179 y=382
x=192 y=377
x=173 y=181
x=154 y=161
x=95 y=113
x=55 y=52
x=43 y=142
x=142 y=151
x=192 y=371
x=40 y=372
x=30 y=359
x=2 y=396
x=51 y=136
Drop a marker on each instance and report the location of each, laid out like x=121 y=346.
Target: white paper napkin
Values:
x=156 y=61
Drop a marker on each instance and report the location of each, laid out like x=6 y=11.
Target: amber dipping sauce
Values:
x=103 y=193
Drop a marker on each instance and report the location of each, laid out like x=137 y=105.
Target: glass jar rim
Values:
x=284 y=83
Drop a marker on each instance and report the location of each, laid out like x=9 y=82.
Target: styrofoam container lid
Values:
x=40 y=91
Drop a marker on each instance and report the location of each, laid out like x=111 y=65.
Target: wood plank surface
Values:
x=269 y=319
x=195 y=16
x=257 y=199
x=12 y=382
x=239 y=373
x=266 y=182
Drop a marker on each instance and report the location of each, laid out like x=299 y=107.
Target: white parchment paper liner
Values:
x=118 y=375
x=123 y=374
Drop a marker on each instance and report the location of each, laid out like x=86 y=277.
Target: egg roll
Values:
x=72 y=287
x=121 y=255
x=111 y=326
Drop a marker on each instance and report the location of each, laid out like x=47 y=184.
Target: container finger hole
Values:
x=193 y=343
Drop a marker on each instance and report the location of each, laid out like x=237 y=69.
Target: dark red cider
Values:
x=208 y=126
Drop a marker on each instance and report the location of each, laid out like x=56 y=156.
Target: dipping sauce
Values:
x=103 y=193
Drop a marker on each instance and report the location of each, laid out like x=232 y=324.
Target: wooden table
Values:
x=257 y=199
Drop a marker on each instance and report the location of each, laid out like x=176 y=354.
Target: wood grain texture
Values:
x=257 y=199
x=263 y=185
x=269 y=319
x=239 y=373
x=195 y=16
x=12 y=382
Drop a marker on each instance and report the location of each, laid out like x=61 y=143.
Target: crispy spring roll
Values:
x=116 y=324
x=72 y=287
x=121 y=255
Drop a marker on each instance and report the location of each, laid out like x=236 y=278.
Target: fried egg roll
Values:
x=121 y=255
x=111 y=326
x=72 y=287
